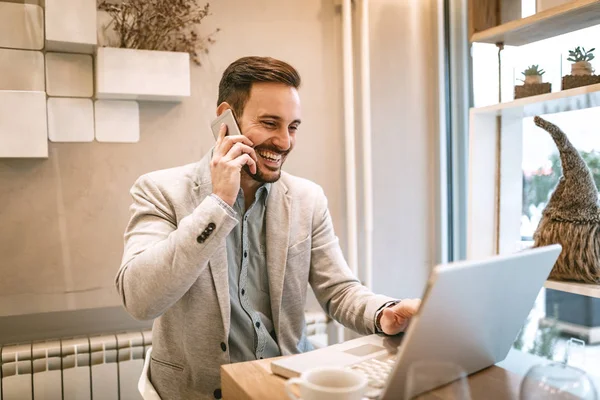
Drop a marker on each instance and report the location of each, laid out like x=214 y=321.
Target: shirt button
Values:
x=211 y=226
x=245 y=254
x=257 y=324
x=200 y=239
x=243 y=292
x=217 y=393
x=223 y=346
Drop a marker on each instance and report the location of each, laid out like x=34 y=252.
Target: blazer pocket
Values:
x=299 y=247
x=167 y=364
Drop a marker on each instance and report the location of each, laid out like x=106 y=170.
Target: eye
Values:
x=270 y=124
x=294 y=128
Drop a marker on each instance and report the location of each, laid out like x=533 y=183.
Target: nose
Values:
x=282 y=140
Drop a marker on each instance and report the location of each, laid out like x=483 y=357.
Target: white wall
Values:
x=63 y=218
x=404 y=70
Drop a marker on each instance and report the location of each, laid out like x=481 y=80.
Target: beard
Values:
x=259 y=176
x=268 y=175
x=272 y=175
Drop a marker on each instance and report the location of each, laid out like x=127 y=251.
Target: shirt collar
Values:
x=266 y=189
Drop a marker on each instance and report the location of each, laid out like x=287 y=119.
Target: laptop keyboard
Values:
x=376 y=370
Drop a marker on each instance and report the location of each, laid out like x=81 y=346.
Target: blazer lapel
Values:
x=218 y=261
x=277 y=241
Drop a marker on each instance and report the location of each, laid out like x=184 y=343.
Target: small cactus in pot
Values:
x=532 y=84
x=581 y=61
x=533 y=75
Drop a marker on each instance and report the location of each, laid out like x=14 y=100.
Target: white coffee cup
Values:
x=328 y=383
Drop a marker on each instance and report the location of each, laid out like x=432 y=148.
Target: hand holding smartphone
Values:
x=228 y=119
x=232 y=152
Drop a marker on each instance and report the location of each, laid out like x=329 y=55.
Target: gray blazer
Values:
x=174 y=269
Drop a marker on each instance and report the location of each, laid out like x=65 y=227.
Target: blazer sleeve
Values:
x=163 y=258
x=338 y=291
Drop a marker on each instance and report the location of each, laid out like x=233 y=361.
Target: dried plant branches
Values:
x=160 y=25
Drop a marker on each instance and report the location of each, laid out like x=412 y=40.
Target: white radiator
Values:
x=104 y=367
x=89 y=368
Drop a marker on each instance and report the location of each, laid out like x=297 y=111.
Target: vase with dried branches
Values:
x=168 y=25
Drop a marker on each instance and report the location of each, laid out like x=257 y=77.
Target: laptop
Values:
x=470 y=315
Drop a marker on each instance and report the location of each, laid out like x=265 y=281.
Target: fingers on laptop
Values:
x=406 y=308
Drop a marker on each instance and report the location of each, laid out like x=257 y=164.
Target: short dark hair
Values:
x=239 y=76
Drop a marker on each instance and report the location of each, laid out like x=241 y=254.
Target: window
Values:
x=556 y=316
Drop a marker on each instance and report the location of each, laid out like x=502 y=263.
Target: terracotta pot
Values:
x=533 y=79
x=581 y=68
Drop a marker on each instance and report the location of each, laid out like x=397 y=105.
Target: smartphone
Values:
x=228 y=119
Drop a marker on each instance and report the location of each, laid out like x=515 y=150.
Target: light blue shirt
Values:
x=251 y=335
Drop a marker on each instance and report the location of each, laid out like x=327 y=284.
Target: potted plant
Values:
x=581 y=69
x=533 y=83
x=148 y=55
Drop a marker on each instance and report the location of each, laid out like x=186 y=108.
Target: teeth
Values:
x=269 y=155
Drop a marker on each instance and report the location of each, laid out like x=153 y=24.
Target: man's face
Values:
x=270 y=120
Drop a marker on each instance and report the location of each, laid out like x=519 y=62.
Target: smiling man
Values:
x=220 y=252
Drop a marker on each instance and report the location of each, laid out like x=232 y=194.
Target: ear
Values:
x=222 y=107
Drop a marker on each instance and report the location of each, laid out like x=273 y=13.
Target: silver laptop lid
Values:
x=472 y=312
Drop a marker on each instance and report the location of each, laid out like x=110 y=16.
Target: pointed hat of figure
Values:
x=575 y=198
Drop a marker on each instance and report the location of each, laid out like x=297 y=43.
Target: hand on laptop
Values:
x=395 y=319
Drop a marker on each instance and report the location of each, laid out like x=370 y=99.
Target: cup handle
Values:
x=288 y=388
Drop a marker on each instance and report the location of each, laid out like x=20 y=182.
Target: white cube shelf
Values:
x=22 y=70
x=117 y=121
x=23 y=128
x=127 y=74
x=71 y=26
x=70 y=120
x=69 y=75
x=21 y=26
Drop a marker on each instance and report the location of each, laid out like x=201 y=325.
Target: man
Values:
x=220 y=252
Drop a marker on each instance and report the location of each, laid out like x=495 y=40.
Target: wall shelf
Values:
x=129 y=74
x=555 y=21
x=574 y=287
x=23 y=124
x=550 y=103
x=21 y=26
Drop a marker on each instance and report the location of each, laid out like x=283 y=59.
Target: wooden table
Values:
x=253 y=380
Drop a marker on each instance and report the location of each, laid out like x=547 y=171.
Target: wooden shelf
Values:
x=555 y=21
x=575 y=288
x=550 y=103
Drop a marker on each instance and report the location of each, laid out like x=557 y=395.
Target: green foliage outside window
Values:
x=546 y=336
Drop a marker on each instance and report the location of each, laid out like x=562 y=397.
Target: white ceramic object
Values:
x=70 y=120
x=23 y=128
x=71 y=26
x=117 y=121
x=328 y=383
x=21 y=26
x=128 y=74
x=69 y=75
x=22 y=70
